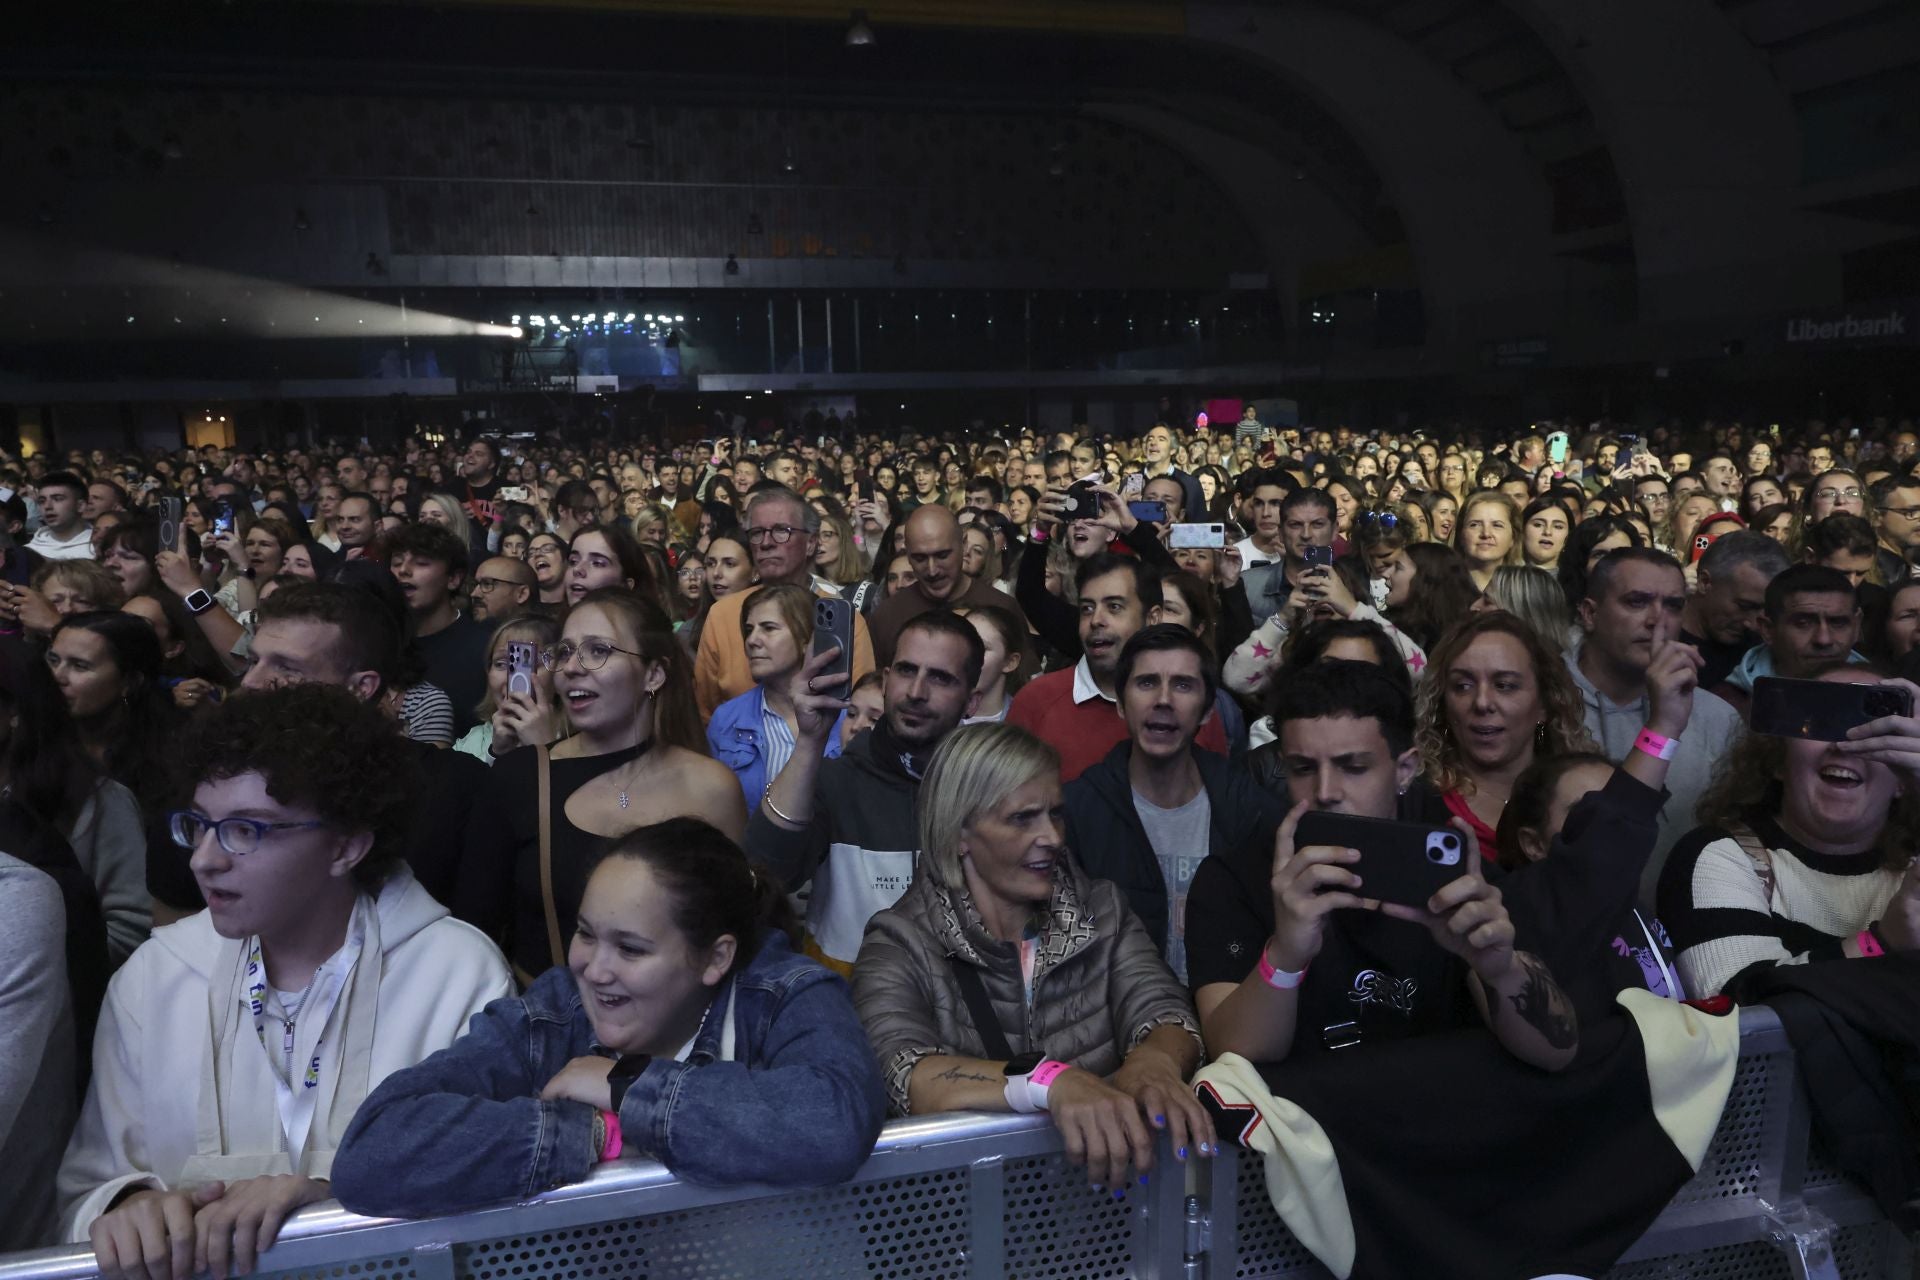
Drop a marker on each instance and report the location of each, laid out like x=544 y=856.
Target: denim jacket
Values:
x=801 y=1104
x=734 y=735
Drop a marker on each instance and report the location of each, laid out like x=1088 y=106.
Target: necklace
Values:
x=639 y=756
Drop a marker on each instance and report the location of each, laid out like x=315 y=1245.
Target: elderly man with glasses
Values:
x=782 y=532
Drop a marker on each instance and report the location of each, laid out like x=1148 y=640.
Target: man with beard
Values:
x=848 y=824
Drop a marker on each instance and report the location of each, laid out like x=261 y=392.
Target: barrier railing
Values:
x=970 y=1197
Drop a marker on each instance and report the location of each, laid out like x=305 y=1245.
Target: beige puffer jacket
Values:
x=1099 y=984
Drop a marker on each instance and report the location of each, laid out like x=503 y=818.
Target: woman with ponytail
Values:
x=637 y=755
x=681 y=1027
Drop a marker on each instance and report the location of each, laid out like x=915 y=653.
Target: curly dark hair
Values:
x=1564 y=730
x=319 y=748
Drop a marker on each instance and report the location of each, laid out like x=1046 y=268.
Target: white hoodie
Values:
x=170 y=1107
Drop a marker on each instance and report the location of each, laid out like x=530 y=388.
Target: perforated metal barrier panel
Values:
x=967 y=1197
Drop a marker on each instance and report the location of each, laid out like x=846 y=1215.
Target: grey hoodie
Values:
x=1711 y=732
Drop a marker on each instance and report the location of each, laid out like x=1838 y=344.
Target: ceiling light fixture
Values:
x=860 y=31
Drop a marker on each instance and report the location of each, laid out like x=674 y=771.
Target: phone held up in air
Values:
x=520 y=660
x=1557 y=448
x=1401 y=862
x=1082 y=502
x=222 y=518
x=1318 y=557
x=1821 y=710
x=1196 y=535
x=1151 y=512
x=833 y=625
x=173 y=511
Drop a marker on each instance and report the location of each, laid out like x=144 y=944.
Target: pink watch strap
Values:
x=610 y=1150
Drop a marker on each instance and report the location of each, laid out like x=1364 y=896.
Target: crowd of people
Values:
x=539 y=804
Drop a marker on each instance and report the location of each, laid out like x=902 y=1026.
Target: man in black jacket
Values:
x=1147 y=815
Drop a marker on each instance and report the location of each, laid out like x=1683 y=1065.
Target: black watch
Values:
x=1024 y=1064
x=626 y=1069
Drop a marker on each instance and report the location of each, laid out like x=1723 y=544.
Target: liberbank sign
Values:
x=1881 y=324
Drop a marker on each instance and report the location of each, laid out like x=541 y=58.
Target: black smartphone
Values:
x=172 y=512
x=833 y=625
x=1821 y=710
x=1318 y=556
x=1403 y=862
x=1151 y=512
x=1082 y=502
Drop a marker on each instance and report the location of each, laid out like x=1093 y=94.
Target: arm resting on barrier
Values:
x=463 y=1128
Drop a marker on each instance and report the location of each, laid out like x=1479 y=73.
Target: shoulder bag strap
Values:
x=556 y=955
x=1757 y=853
x=974 y=991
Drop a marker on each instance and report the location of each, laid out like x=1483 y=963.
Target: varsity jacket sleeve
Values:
x=465 y=1127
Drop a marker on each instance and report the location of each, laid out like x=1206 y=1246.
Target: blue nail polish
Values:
x=1143 y=1179
x=1182 y=1153
x=1120 y=1193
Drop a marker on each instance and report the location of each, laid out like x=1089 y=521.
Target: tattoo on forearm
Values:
x=1542 y=1005
x=957 y=1073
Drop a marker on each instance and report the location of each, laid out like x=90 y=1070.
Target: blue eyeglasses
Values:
x=238 y=836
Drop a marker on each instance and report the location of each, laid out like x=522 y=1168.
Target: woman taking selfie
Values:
x=1804 y=854
x=636 y=757
x=1006 y=980
x=681 y=1028
x=753 y=734
x=1495 y=698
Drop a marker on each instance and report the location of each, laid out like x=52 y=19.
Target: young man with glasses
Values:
x=1896 y=518
x=782 y=532
x=235 y=1045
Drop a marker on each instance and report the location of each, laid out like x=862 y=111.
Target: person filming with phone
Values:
x=1289 y=955
x=1805 y=850
x=755 y=734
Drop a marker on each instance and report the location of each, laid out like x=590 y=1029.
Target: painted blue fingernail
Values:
x=1120 y=1193
x=1159 y=1119
x=1143 y=1179
x=1182 y=1153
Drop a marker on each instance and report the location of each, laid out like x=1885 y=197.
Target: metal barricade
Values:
x=971 y=1197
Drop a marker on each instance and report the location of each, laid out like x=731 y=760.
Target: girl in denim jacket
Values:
x=683 y=1029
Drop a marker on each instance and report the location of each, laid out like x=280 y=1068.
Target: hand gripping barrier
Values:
x=972 y=1197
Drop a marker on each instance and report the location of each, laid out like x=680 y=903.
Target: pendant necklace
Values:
x=645 y=747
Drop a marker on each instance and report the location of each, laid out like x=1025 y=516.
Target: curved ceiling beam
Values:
x=1477 y=212
x=1707 y=147
x=1292 y=222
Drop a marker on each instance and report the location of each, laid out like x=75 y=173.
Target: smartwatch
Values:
x=198 y=601
x=626 y=1069
x=1029 y=1077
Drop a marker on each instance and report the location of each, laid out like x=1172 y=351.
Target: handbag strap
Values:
x=973 y=990
x=1757 y=853
x=556 y=956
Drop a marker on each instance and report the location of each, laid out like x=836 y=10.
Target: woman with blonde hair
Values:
x=445 y=510
x=1007 y=980
x=510 y=718
x=838 y=558
x=1532 y=595
x=1496 y=697
x=1488 y=534
x=753 y=734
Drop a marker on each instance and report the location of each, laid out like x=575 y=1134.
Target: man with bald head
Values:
x=934 y=550
x=502 y=589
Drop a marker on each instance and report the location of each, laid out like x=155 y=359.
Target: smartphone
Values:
x=1821 y=710
x=222 y=518
x=511 y=493
x=1197 y=535
x=833 y=625
x=1135 y=483
x=520 y=667
x=172 y=512
x=1403 y=862
x=1152 y=512
x=1557 y=448
x=1082 y=502
x=1318 y=556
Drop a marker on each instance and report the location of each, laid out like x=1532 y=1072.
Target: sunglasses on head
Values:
x=1383 y=520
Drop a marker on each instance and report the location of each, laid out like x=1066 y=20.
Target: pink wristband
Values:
x=1046 y=1073
x=1279 y=979
x=1656 y=746
x=610 y=1149
x=1869 y=945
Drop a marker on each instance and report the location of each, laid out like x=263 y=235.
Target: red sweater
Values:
x=1083 y=733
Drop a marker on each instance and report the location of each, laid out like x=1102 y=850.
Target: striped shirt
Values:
x=776 y=742
x=1725 y=921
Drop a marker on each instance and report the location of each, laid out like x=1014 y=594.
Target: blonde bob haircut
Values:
x=977 y=767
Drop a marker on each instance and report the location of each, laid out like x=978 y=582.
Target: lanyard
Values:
x=297 y=1105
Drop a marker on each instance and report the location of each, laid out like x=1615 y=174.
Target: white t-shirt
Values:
x=77 y=547
x=1251 y=555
